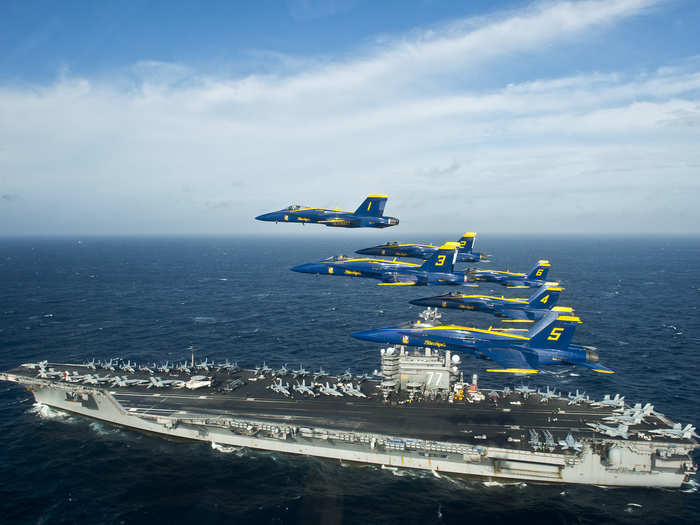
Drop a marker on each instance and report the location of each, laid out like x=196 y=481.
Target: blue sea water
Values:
x=148 y=299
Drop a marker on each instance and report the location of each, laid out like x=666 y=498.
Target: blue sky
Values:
x=184 y=117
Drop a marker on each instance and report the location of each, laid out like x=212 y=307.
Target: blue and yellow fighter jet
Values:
x=370 y=214
x=425 y=251
x=439 y=269
x=521 y=310
x=547 y=343
x=535 y=278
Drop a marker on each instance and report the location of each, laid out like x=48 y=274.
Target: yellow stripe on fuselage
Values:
x=523 y=301
x=501 y=272
x=322 y=209
x=384 y=261
x=514 y=370
x=464 y=328
x=407 y=244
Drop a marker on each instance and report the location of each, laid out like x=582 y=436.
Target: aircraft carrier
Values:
x=416 y=412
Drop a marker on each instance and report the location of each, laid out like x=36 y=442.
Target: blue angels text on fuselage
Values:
x=527 y=310
x=547 y=343
x=425 y=251
x=535 y=278
x=370 y=214
x=439 y=269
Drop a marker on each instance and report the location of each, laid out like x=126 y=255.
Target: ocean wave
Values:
x=103 y=429
x=47 y=412
x=205 y=319
x=225 y=449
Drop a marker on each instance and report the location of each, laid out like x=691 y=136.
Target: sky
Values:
x=148 y=118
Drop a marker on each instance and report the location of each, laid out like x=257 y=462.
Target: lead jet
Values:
x=524 y=310
x=370 y=214
x=426 y=251
x=535 y=278
x=547 y=343
x=439 y=269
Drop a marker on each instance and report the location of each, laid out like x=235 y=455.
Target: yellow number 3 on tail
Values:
x=441 y=260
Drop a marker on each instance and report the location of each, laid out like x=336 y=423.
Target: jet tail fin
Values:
x=443 y=259
x=373 y=206
x=545 y=297
x=539 y=271
x=554 y=330
x=466 y=242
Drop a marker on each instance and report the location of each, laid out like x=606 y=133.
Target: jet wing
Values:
x=512 y=361
x=515 y=313
x=397 y=280
x=596 y=367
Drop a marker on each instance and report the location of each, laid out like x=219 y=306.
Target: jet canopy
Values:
x=336 y=258
x=292 y=207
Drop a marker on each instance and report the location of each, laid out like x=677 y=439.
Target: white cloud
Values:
x=161 y=148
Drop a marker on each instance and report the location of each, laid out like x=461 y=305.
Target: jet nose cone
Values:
x=265 y=217
x=365 y=251
x=376 y=336
x=307 y=268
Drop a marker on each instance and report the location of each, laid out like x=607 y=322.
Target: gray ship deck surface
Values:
x=459 y=422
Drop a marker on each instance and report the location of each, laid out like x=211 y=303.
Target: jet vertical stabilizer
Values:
x=545 y=297
x=554 y=330
x=373 y=206
x=466 y=242
x=442 y=260
x=539 y=271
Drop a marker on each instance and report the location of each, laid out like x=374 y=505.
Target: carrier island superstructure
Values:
x=417 y=412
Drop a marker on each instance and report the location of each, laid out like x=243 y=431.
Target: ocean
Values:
x=149 y=299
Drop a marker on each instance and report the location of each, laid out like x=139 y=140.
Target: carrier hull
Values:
x=482 y=439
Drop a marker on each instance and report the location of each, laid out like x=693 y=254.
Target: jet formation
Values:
x=438 y=269
x=543 y=339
